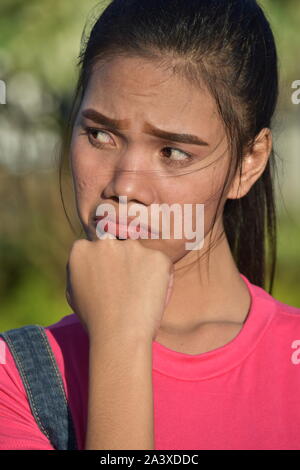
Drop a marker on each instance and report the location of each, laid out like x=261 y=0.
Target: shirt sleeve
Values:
x=18 y=428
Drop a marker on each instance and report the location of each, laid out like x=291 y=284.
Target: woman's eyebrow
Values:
x=119 y=124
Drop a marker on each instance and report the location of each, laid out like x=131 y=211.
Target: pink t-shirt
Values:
x=243 y=395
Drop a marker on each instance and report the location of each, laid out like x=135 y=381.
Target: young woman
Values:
x=168 y=347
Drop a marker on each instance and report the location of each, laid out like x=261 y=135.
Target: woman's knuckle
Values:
x=77 y=247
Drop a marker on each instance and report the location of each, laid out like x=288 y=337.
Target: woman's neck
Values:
x=201 y=296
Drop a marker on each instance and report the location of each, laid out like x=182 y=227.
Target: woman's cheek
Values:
x=83 y=171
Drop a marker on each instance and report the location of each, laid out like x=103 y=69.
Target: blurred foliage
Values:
x=39 y=46
x=43 y=36
x=286 y=286
x=284 y=17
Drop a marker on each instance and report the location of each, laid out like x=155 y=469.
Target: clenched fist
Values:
x=118 y=287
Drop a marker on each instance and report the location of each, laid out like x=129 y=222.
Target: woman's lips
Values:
x=124 y=231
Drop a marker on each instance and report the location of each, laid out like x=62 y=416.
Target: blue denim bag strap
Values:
x=43 y=383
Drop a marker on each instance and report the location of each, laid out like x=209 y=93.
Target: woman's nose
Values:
x=130 y=178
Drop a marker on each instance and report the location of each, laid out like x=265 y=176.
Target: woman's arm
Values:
x=120 y=403
x=121 y=310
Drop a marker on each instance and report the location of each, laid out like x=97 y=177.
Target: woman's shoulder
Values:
x=282 y=308
x=70 y=319
x=67 y=329
x=263 y=298
x=278 y=315
x=18 y=427
x=287 y=309
x=68 y=342
x=67 y=338
x=70 y=345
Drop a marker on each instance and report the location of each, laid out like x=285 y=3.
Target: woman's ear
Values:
x=253 y=165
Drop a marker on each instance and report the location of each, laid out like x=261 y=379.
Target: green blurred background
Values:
x=39 y=45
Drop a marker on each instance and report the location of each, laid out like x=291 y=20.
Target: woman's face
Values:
x=133 y=162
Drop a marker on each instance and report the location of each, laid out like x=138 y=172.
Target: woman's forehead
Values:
x=137 y=92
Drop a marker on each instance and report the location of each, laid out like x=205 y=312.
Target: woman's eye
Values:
x=97 y=137
x=179 y=157
x=172 y=156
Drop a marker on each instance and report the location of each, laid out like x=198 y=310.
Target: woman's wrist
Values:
x=115 y=337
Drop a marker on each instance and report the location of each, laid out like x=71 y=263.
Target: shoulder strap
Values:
x=43 y=383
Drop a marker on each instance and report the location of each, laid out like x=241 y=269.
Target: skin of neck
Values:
x=216 y=295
